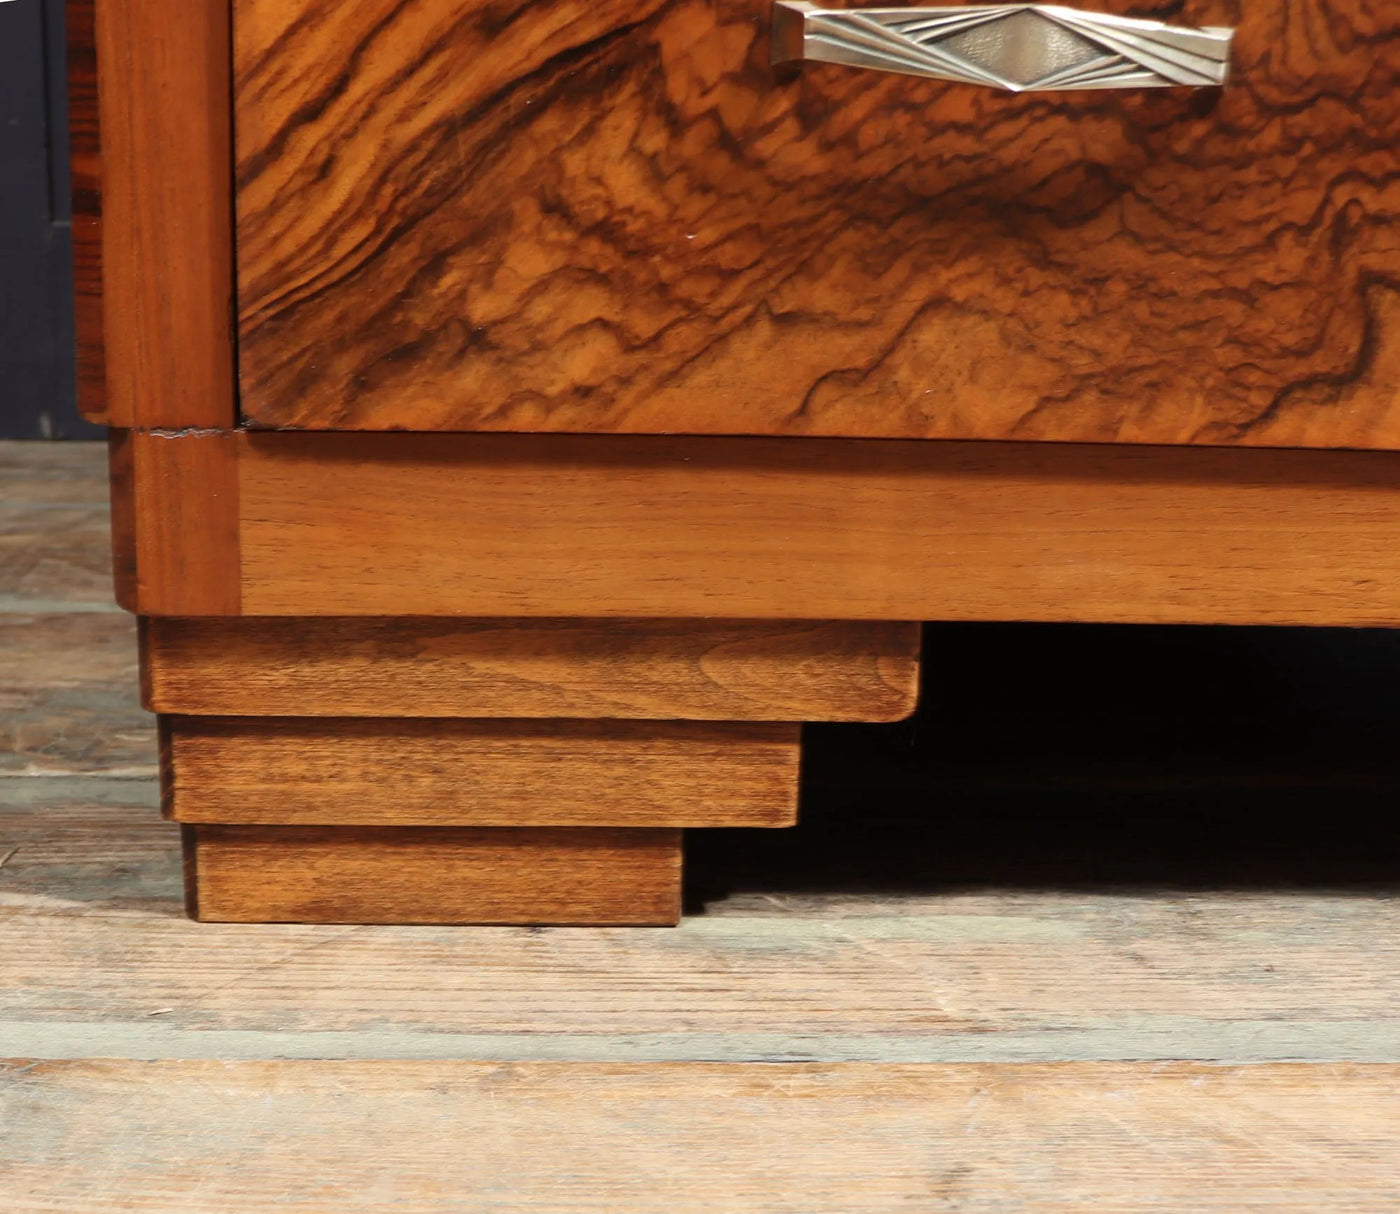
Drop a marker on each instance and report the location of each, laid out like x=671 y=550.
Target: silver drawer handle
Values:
x=1021 y=47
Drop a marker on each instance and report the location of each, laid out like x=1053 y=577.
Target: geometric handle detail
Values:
x=1020 y=47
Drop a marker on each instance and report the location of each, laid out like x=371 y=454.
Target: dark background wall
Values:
x=36 y=310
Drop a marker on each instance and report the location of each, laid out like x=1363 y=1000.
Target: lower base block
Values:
x=410 y=874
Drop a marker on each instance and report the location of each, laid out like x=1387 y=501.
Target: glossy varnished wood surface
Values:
x=613 y=216
x=635 y=527
x=697 y=670
x=504 y=525
x=166 y=261
x=367 y=772
x=176 y=521
x=361 y=875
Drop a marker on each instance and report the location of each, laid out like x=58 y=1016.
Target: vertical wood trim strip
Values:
x=187 y=527
x=85 y=169
x=164 y=113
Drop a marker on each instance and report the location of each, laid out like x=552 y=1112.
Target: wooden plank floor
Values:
x=983 y=989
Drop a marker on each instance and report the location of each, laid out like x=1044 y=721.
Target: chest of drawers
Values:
x=526 y=416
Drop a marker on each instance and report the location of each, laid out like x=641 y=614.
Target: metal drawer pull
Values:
x=1021 y=47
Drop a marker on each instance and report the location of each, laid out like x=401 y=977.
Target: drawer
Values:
x=608 y=216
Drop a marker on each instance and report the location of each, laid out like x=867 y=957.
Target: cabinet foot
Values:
x=487 y=771
x=444 y=875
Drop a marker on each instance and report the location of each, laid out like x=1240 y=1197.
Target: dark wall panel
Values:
x=36 y=308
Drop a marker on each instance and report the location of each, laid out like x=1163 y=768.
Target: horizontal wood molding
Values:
x=166 y=258
x=479 y=773
x=623 y=527
x=434 y=667
x=253 y=874
x=507 y=525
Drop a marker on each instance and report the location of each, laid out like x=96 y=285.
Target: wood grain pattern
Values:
x=85 y=172
x=178 y=513
x=338 y=1138
x=821 y=952
x=71 y=566
x=68 y=703
x=504 y=525
x=239 y=770
x=269 y=874
x=60 y=474
x=601 y=215
x=167 y=219
x=697 y=670
x=55 y=540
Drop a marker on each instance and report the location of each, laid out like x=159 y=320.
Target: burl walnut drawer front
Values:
x=618 y=216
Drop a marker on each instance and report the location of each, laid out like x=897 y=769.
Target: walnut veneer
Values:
x=615 y=216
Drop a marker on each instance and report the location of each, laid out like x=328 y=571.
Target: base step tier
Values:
x=340 y=874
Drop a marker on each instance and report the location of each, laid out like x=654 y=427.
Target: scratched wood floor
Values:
x=988 y=973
